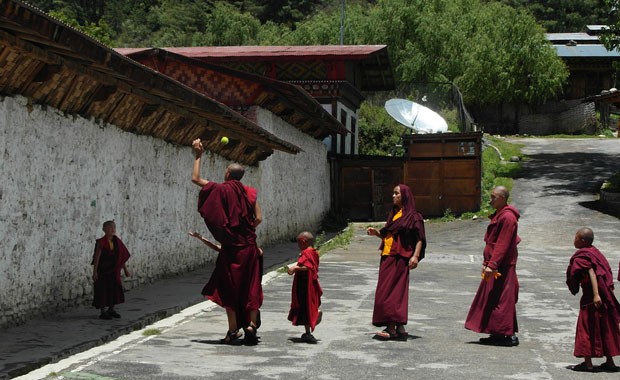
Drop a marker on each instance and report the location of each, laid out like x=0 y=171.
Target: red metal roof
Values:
x=372 y=60
x=344 y=52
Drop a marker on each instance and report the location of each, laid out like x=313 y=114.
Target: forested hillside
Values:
x=209 y=22
x=493 y=52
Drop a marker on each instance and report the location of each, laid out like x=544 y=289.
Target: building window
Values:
x=353 y=136
x=343 y=139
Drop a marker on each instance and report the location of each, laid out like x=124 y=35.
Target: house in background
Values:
x=244 y=92
x=591 y=70
x=590 y=64
x=334 y=75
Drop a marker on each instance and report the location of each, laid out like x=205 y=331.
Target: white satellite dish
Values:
x=415 y=116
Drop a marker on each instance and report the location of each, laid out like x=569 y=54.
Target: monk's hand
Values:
x=127 y=273
x=487 y=273
x=197 y=147
x=95 y=277
x=413 y=262
x=597 y=301
x=291 y=270
x=195 y=234
x=260 y=252
x=372 y=231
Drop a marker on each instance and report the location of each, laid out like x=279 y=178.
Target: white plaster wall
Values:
x=63 y=176
x=294 y=190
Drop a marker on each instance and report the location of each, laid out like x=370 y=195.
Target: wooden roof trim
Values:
x=61 y=55
x=192 y=109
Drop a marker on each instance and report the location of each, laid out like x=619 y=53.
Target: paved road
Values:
x=556 y=195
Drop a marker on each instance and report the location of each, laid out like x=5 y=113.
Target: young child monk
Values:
x=306 y=293
x=598 y=334
x=109 y=259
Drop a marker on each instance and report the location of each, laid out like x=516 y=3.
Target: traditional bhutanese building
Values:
x=336 y=76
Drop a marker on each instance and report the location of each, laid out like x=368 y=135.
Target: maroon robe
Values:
x=597 y=334
x=493 y=310
x=306 y=292
x=108 y=290
x=392 y=293
x=228 y=212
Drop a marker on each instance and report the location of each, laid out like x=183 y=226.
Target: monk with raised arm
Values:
x=231 y=213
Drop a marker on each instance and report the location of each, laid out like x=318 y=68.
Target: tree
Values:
x=493 y=53
x=611 y=39
x=379 y=134
x=227 y=26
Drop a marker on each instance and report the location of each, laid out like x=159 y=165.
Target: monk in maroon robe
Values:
x=403 y=244
x=493 y=310
x=231 y=213
x=109 y=259
x=597 y=334
x=306 y=292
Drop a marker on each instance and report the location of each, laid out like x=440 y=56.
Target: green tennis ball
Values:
x=224 y=140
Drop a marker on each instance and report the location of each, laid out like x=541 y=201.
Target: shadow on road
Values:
x=570 y=173
x=601 y=207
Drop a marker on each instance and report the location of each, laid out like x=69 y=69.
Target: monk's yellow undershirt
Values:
x=389 y=239
x=111 y=242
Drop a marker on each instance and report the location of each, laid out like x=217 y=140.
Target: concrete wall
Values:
x=571 y=116
x=553 y=117
x=62 y=176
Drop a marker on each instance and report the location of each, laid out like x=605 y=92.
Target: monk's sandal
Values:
x=231 y=337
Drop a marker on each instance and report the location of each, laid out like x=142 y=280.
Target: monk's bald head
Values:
x=499 y=197
x=586 y=234
x=501 y=190
x=234 y=171
x=305 y=239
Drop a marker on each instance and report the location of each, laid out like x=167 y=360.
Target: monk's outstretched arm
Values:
x=198 y=151
x=206 y=241
x=374 y=232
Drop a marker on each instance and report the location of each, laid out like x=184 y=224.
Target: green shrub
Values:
x=612 y=184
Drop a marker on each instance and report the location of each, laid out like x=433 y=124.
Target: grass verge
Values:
x=150 y=332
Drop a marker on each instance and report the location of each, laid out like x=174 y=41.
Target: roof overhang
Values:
x=53 y=64
x=607 y=96
x=239 y=90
